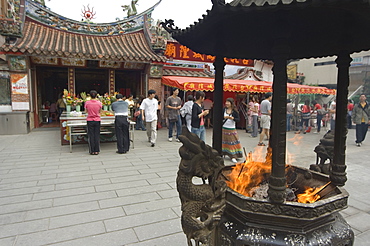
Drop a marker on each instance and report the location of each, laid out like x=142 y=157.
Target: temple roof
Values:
x=249 y=29
x=42 y=40
x=167 y=71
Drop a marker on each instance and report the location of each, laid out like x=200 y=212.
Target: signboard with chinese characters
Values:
x=292 y=72
x=19 y=84
x=19 y=91
x=109 y=64
x=44 y=60
x=133 y=65
x=180 y=52
x=76 y=62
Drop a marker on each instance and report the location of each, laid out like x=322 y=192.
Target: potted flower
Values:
x=106 y=101
x=68 y=100
x=78 y=103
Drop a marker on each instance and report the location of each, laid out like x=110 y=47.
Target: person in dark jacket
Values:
x=230 y=141
x=361 y=117
x=197 y=116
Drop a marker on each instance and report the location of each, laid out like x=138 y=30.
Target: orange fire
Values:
x=249 y=174
x=245 y=177
x=311 y=195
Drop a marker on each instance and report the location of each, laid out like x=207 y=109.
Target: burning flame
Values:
x=249 y=174
x=311 y=195
x=245 y=177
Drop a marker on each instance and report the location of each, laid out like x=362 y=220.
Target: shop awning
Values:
x=242 y=86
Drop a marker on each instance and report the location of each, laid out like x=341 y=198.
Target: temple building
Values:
x=42 y=53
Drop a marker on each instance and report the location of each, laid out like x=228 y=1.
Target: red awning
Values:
x=243 y=86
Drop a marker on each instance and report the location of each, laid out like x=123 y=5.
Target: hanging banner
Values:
x=178 y=51
x=20 y=96
x=19 y=84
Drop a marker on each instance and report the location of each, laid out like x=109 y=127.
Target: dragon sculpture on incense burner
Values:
x=202 y=205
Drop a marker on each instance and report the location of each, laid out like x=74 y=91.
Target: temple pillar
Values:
x=219 y=65
x=277 y=142
x=338 y=175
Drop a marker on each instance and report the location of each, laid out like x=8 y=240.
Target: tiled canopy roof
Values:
x=187 y=73
x=42 y=40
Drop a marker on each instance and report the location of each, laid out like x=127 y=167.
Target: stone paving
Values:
x=49 y=196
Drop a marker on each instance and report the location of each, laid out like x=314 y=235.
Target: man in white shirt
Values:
x=148 y=109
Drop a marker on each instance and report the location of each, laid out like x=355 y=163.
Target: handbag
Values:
x=321 y=111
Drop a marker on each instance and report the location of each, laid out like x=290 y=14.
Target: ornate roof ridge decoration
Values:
x=11 y=25
x=43 y=15
x=43 y=40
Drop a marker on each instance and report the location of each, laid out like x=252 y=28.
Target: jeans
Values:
x=288 y=120
x=178 y=127
x=93 y=136
x=200 y=132
x=139 y=123
x=332 y=124
x=304 y=122
x=361 y=130
x=188 y=121
x=254 y=125
x=318 y=121
x=349 y=121
x=60 y=111
x=122 y=133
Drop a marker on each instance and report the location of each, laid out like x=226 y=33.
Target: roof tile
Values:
x=40 y=39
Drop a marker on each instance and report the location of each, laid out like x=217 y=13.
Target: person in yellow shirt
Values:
x=360 y=116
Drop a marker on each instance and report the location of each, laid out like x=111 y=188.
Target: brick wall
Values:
x=155 y=84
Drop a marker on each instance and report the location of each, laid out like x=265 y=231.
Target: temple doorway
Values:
x=91 y=79
x=128 y=82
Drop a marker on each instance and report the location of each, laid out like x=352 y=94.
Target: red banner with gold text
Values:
x=180 y=52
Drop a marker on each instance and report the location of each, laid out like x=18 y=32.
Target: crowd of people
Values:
x=195 y=112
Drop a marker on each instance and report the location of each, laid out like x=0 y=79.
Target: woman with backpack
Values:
x=186 y=109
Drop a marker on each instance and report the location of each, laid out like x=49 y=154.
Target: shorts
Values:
x=265 y=121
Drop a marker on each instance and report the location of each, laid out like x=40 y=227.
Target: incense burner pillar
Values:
x=219 y=65
x=277 y=143
x=338 y=173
